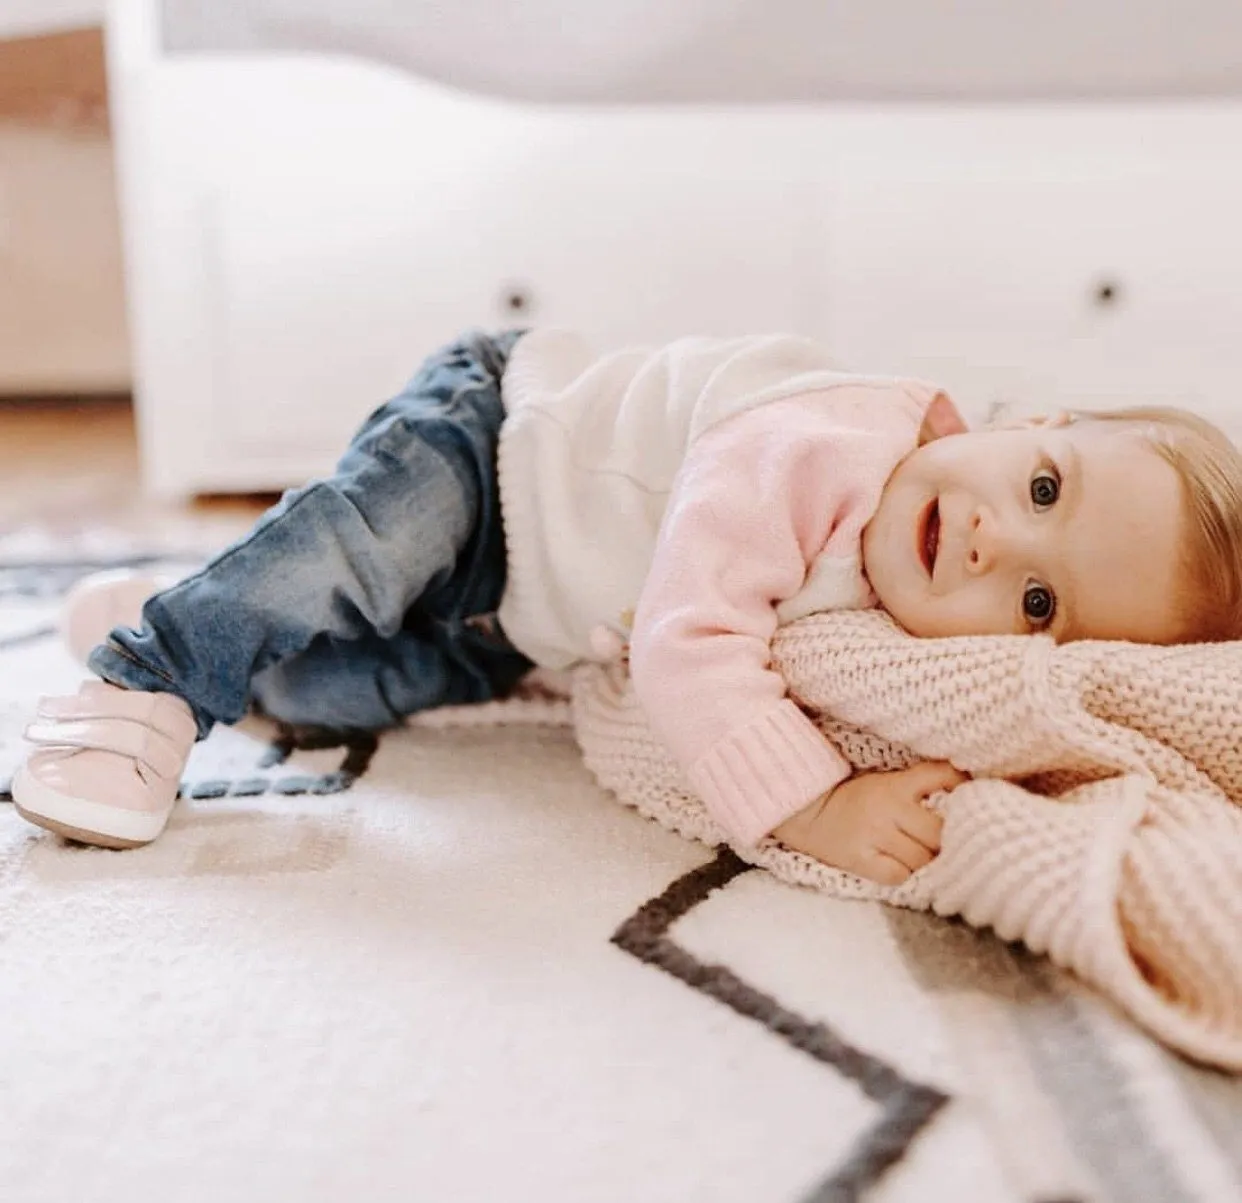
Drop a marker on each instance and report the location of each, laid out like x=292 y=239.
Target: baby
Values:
x=523 y=502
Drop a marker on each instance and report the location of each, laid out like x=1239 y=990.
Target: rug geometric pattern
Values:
x=957 y=1066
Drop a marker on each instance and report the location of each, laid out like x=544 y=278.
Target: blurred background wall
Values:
x=62 y=310
x=260 y=214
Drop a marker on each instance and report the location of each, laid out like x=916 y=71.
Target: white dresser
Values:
x=301 y=230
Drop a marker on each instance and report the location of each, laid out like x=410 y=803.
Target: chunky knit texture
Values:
x=1104 y=826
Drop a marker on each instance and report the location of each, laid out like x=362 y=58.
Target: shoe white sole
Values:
x=87 y=822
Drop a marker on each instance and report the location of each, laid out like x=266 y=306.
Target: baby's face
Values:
x=1074 y=529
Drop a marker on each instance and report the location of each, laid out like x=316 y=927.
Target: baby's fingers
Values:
x=916 y=822
x=883 y=869
x=933 y=776
x=912 y=854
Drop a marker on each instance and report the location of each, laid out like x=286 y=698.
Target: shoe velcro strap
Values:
x=160 y=754
x=150 y=709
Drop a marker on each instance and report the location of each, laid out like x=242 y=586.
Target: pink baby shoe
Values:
x=107 y=764
x=104 y=600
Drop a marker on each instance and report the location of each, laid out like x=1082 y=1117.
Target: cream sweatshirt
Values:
x=693 y=498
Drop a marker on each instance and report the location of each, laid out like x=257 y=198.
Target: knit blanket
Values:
x=1103 y=826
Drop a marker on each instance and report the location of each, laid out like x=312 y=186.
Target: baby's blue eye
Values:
x=1038 y=605
x=1045 y=489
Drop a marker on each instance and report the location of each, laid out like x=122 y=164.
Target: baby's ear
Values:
x=941 y=418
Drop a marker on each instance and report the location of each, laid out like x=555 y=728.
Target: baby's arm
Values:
x=874 y=824
x=753 y=505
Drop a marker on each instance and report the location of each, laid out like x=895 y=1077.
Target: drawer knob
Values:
x=516 y=299
x=1107 y=292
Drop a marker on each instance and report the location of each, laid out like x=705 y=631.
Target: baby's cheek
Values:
x=973 y=609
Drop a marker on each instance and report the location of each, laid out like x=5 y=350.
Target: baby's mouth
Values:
x=929 y=535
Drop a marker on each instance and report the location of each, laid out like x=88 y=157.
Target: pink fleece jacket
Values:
x=764 y=506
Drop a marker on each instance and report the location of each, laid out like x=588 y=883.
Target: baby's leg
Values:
x=368 y=683
x=411 y=512
x=374 y=682
x=410 y=505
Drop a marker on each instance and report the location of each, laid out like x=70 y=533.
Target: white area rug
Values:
x=444 y=965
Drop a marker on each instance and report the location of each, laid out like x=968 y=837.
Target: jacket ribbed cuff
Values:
x=758 y=776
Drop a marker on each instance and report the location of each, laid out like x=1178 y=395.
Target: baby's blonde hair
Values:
x=1210 y=469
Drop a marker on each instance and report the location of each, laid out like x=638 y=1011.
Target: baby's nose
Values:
x=987 y=543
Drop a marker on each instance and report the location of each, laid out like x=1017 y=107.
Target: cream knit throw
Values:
x=1104 y=827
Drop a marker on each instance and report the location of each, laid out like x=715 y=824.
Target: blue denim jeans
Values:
x=362 y=597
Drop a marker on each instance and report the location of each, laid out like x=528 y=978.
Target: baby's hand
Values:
x=875 y=824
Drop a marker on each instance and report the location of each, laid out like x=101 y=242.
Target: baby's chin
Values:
x=898 y=610
x=917 y=629
x=921 y=621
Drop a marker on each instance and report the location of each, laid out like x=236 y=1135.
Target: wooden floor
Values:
x=70 y=483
